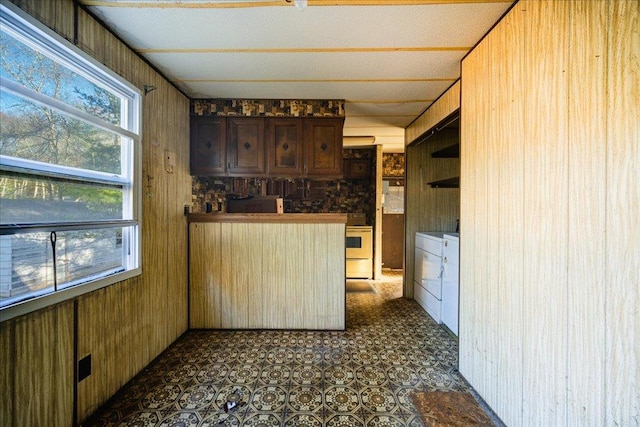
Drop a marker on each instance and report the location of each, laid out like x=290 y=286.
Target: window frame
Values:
x=27 y=29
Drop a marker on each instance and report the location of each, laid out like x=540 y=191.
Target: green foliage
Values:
x=34 y=132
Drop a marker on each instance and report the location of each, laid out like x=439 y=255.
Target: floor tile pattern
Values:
x=362 y=376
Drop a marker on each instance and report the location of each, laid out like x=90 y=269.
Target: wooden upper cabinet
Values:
x=323 y=147
x=258 y=147
x=245 y=146
x=285 y=140
x=356 y=168
x=208 y=146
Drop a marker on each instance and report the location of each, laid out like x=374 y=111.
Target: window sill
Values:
x=44 y=301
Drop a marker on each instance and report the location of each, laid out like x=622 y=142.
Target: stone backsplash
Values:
x=300 y=195
x=393 y=165
x=267 y=107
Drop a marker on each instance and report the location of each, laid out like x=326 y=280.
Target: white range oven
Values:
x=359 y=251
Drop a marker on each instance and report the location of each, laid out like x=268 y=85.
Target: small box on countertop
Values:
x=358 y=218
x=261 y=204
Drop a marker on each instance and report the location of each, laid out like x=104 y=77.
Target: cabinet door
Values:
x=208 y=146
x=284 y=147
x=245 y=146
x=357 y=168
x=323 y=147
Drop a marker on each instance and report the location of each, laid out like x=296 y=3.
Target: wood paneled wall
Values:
x=267 y=276
x=427 y=208
x=550 y=201
x=128 y=324
x=37 y=368
x=446 y=104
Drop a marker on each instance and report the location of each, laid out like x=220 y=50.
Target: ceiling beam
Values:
x=313 y=50
x=315 y=81
x=229 y=4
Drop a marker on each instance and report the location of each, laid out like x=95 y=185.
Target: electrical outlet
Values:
x=84 y=368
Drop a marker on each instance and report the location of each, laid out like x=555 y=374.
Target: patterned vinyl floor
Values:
x=359 y=377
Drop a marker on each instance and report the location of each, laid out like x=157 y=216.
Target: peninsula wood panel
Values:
x=551 y=95
x=247 y=265
x=294 y=313
x=255 y=278
x=378 y=229
x=226 y=277
x=328 y=254
x=126 y=325
x=204 y=299
x=426 y=208
x=437 y=112
x=276 y=275
x=622 y=271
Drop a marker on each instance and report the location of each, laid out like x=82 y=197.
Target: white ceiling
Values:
x=387 y=59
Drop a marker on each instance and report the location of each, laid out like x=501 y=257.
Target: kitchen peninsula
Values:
x=267 y=271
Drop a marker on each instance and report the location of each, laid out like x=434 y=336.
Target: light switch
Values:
x=169 y=161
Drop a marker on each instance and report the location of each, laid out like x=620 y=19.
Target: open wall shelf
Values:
x=446 y=183
x=450 y=152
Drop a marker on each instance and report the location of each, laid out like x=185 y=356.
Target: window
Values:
x=69 y=169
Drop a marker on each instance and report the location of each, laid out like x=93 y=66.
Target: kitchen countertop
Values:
x=287 y=218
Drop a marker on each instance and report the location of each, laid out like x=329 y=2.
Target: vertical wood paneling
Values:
x=255 y=278
x=43 y=385
x=274 y=309
x=247 y=273
x=546 y=213
x=437 y=112
x=91 y=36
x=469 y=123
x=422 y=202
x=491 y=297
x=312 y=260
x=154 y=207
x=225 y=272
x=508 y=112
x=293 y=314
x=91 y=316
x=254 y=283
x=176 y=247
x=7 y=376
x=622 y=262
x=336 y=303
x=429 y=209
x=377 y=249
x=125 y=325
x=587 y=202
x=481 y=301
x=555 y=87
x=204 y=299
